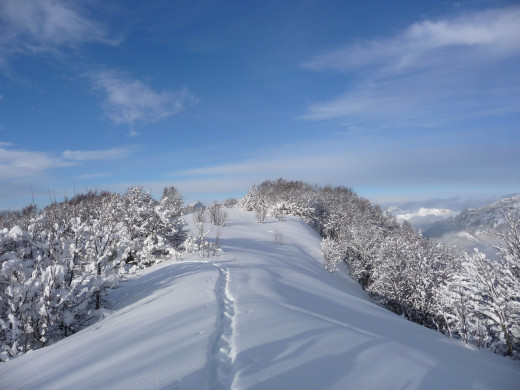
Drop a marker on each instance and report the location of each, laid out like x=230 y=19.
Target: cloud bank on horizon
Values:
x=403 y=104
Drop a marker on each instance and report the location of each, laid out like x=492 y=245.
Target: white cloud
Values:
x=107 y=154
x=453 y=67
x=494 y=33
x=18 y=164
x=264 y=168
x=93 y=175
x=127 y=100
x=21 y=170
x=36 y=26
x=496 y=30
x=21 y=163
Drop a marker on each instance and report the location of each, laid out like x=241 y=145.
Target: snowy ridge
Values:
x=223 y=350
x=271 y=318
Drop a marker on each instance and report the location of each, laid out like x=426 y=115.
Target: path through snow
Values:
x=223 y=349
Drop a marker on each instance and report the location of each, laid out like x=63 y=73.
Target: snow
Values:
x=15 y=232
x=260 y=316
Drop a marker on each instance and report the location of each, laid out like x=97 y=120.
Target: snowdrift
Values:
x=262 y=315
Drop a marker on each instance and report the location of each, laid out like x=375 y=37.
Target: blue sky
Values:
x=404 y=101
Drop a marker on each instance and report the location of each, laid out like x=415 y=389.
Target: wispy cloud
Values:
x=93 y=175
x=412 y=167
x=38 y=26
x=89 y=155
x=130 y=101
x=450 y=66
x=16 y=163
x=493 y=33
x=21 y=170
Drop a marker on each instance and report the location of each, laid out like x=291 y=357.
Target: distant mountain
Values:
x=195 y=206
x=473 y=228
x=423 y=217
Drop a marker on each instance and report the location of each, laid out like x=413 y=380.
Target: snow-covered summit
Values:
x=263 y=315
x=195 y=206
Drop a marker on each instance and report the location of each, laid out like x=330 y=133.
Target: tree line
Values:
x=462 y=295
x=56 y=264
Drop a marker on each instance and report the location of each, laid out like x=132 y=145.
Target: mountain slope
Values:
x=474 y=228
x=487 y=217
x=260 y=316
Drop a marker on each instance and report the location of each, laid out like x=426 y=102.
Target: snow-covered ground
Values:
x=260 y=316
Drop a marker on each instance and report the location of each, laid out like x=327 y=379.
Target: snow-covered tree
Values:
x=494 y=297
x=332 y=253
x=217 y=214
x=55 y=270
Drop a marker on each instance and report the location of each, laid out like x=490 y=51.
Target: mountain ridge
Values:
x=259 y=316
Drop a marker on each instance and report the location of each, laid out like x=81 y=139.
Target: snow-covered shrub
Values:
x=200 y=244
x=230 y=202
x=278 y=237
x=156 y=228
x=217 y=214
x=332 y=254
x=261 y=215
x=250 y=201
x=21 y=218
x=55 y=272
x=494 y=298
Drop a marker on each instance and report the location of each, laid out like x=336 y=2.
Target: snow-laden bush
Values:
x=278 y=237
x=332 y=254
x=230 y=202
x=55 y=272
x=217 y=214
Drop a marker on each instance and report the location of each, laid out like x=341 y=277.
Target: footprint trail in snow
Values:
x=223 y=350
